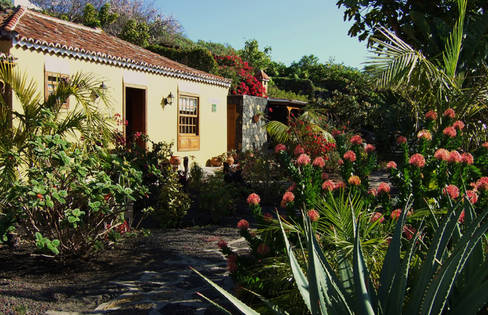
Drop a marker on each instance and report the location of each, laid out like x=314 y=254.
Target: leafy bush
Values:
x=198 y=57
x=213 y=195
x=69 y=200
x=165 y=201
x=298 y=86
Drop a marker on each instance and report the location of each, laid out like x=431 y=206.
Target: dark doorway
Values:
x=135 y=114
x=231 y=126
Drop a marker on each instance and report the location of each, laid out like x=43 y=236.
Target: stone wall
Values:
x=250 y=135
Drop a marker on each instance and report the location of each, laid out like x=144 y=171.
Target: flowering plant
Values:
x=243 y=80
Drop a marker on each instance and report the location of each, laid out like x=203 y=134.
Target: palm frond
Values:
x=278 y=131
x=452 y=51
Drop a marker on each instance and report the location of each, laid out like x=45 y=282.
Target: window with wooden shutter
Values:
x=52 y=81
x=188 y=123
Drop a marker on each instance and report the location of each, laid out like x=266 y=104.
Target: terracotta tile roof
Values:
x=261 y=75
x=34 y=30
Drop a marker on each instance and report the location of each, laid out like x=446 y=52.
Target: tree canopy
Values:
x=424 y=25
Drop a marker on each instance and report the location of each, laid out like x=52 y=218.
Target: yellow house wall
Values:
x=161 y=124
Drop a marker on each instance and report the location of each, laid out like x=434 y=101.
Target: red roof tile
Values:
x=35 y=30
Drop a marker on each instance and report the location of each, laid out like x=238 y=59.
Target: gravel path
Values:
x=146 y=276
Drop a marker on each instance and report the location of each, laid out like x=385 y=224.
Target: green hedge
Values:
x=198 y=58
x=298 y=86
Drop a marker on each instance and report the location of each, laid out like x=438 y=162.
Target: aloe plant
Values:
x=453 y=254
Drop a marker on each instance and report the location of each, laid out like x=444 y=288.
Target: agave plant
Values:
x=451 y=276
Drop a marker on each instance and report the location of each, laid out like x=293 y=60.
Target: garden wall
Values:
x=250 y=135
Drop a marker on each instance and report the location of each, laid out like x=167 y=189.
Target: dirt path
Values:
x=145 y=276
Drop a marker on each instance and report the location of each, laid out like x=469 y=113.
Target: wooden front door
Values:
x=231 y=126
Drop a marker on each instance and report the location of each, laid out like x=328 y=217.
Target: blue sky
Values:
x=291 y=28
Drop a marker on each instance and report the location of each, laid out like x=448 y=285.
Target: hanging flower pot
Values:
x=256 y=118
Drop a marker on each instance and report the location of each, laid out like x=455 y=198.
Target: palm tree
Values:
x=38 y=115
x=280 y=132
x=431 y=84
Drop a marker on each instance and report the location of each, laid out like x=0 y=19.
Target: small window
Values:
x=52 y=81
x=188 y=123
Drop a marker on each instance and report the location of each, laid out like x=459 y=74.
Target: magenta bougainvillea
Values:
x=242 y=74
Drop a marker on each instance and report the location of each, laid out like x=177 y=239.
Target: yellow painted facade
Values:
x=161 y=124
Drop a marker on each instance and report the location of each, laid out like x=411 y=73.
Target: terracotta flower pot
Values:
x=256 y=118
x=175 y=160
x=215 y=162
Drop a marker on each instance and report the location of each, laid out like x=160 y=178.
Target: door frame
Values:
x=124 y=102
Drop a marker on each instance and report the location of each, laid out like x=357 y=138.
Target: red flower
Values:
x=459 y=125
x=340 y=162
x=319 y=162
x=485 y=145
x=288 y=197
x=375 y=216
x=350 y=156
x=452 y=191
x=243 y=225
x=472 y=196
x=442 y=155
x=222 y=244
x=372 y=192
x=253 y=199
x=356 y=139
x=408 y=232
x=401 y=140
x=424 y=134
x=340 y=185
x=299 y=150
x=395 y=214
x=303 y=159
x=431 y=115
x=369 y=148
x=325 y=175
x=417 y=160
x=391 y=165
x=328 y=185
x=467 y=158
x=461 y=217
x=39 y=196
x=450 y=113
x=354 y=180
x=336 y=132
x=107 y=196
x=263 y=249
x=450 y=132
x=383 y=188
x=280 y=147
x=232 y=262
x=482 y=183
x=313 y=215
x=455 y=157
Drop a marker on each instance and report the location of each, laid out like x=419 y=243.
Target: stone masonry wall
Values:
x=250 y=135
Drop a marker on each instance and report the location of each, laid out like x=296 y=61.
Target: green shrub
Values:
x=298 y=86
x=165 y=201
x=70 y=199
x=197 y=57
x=214 y=196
